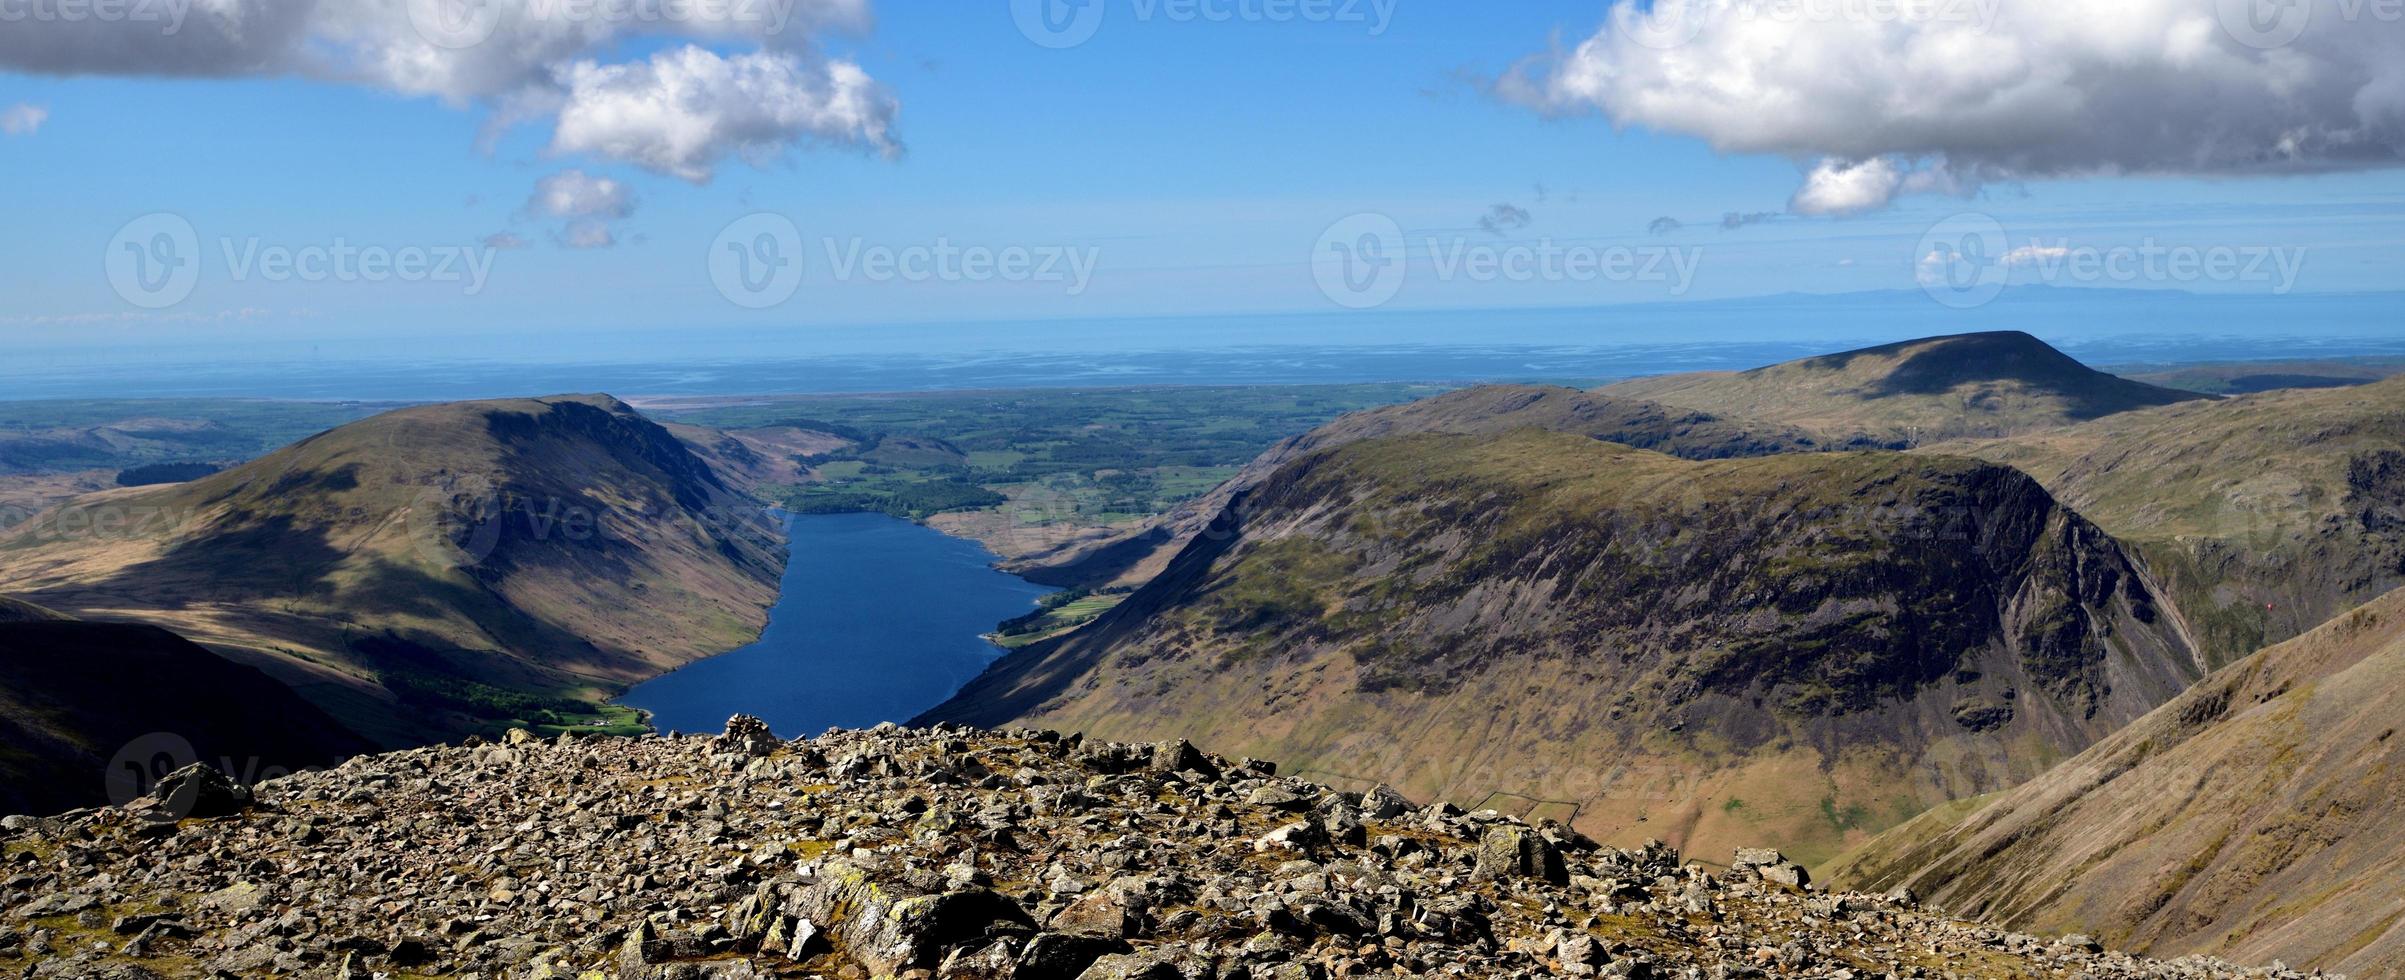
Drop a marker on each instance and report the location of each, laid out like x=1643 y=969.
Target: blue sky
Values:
x=1195 y=165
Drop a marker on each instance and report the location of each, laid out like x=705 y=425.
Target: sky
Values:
x=286 y=171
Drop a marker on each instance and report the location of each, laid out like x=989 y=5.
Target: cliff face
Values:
x=432 y=570
x=2263 y=515
x=1797 y=649
x=898 y=853
x=2252 y=816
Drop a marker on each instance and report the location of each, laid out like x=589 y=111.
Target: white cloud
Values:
x=524 y=60
x=1949 y=94
x=683 y=110
x=1834 y=188
x=2035 y=254
x=23 y=119
x=588 y=204
x=576 y=194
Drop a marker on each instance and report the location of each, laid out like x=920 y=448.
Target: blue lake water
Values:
x=880 y=619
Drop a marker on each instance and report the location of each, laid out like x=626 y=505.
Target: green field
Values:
x=1055 y=614
x=1073 y=456
x=55 y=436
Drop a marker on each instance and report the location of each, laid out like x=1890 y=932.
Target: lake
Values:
x=879 y=620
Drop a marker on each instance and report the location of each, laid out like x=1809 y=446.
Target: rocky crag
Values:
x=914 y=853
x=1796 y=650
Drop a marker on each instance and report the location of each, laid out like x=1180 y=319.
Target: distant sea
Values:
x=2101 y=327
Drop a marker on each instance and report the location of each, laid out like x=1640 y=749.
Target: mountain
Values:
x=1137 y=555
x=80 y=701
x=903 y=853
x=13 y=611
x=1795 y=649
x=2264 y=515
x=2253 y=816
x=1978 y=384
x=431 y=570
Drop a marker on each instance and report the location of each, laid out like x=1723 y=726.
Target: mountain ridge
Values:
x=432 y=569
x=2251 y=816
x=1484 y=409
x=1496 y=589
x=1994 y=383
x=2264 y=514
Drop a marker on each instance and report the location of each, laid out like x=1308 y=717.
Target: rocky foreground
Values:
x=915 y=853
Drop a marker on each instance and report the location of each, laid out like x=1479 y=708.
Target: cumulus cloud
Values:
x=23 y=119
x=683 y=110
x=1663 y=225
x=1945 y=95
x=585 y=203
x=576 y=194
x=1738 y=219
x=503 y=240
x=1842 y=188
x=1505 y=218
x=523 y=60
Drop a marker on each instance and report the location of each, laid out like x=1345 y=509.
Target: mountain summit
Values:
x=434 y=569
x=1977 y=384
